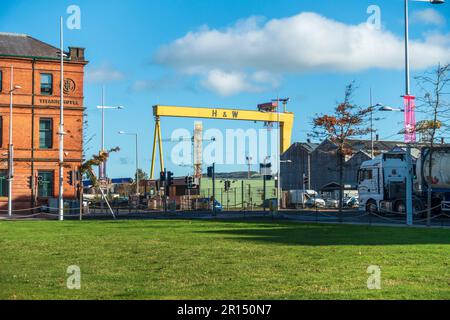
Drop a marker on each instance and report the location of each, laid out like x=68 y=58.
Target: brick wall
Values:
x=28 y=108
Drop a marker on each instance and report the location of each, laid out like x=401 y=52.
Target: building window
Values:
x=45 y=133
x=45 y=184
x=46 y=84
x=1 y=80
x=3 y=183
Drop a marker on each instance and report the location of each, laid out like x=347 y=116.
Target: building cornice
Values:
x=44 y=59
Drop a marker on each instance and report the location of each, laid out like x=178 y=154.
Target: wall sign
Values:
x=69 y=86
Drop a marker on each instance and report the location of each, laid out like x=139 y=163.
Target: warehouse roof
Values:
x=358 y=145
x=363 y=145
x=308 y=146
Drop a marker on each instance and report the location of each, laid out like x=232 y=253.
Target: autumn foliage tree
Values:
x=347 y=121
x=435 y=86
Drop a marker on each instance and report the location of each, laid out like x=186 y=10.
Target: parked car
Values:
x=351 y=202
x=206 y=201
x=120 y=202
x=332 y=203
x=315 y=203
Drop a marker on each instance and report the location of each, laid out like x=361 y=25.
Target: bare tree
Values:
x=347 y=121
x=87 y=169
x=434 y=86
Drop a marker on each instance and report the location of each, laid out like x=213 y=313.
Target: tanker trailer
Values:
x=439 y=179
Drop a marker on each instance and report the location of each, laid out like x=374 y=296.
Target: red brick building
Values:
x=36 y=111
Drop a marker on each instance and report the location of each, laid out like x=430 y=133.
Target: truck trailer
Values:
x=382 y=182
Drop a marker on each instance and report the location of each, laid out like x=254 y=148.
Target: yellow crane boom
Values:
x=286 y=120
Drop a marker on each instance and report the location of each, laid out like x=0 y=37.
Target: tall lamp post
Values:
x=102 y=173
x=61 y=132
x=409 y=111
x=11 y=146
x=137 y=157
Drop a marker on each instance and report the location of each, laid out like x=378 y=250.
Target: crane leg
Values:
x=155 y=135
x=161 y=155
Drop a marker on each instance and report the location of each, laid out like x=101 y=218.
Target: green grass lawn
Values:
x=220 y=260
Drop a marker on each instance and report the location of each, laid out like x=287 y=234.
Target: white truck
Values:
x=382 y=182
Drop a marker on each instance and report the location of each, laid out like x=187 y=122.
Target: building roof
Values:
x=308 y=146
x=358 y=145
x=22 y=45
x=379 y=145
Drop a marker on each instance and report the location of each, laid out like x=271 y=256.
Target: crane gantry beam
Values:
x=286 y=120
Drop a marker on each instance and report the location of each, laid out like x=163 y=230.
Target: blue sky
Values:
x=132 y=51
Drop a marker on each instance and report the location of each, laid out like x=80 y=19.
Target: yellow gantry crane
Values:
x=286 y=120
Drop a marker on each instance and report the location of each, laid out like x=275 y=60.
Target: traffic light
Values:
x=227 y=185
x=70 y=177
x=210 y=172
x=189 y=182
x=169 y=178
x=162 y=176
x=305 y=179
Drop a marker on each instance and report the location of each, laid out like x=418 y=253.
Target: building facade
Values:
x=36 y=119
x=296 y=164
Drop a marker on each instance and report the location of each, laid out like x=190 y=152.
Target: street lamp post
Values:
x=11 y=146
x=102 y=173
x=137 y=157
x=61 y=126
x=409 y=183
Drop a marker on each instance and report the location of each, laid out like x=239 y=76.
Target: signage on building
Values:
x=69 y=86
x=57 y=102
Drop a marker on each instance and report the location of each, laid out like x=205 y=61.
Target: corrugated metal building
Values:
x=324 y=165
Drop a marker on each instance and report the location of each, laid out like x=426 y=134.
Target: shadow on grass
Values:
x=331 y=235
x=288 y=233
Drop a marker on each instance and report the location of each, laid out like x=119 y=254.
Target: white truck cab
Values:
x=381 y=179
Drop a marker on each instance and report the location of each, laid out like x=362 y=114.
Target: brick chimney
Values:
x=76 y=54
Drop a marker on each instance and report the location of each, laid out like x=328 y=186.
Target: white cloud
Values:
x=428 y=16
x=103 y=73
x=239 y=56
x=229 y=83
